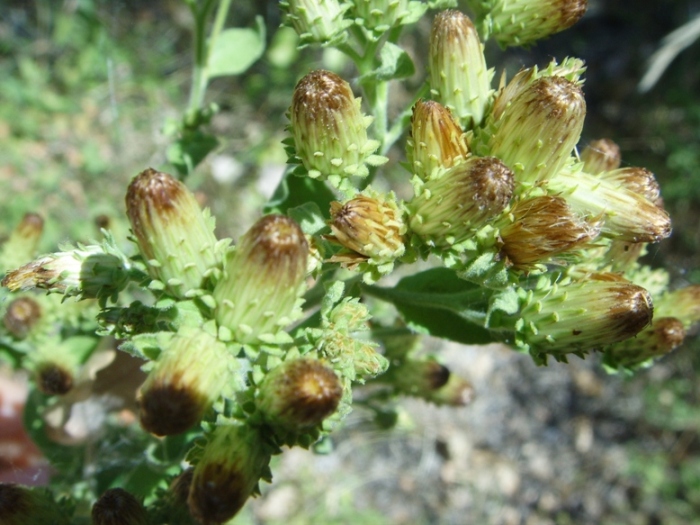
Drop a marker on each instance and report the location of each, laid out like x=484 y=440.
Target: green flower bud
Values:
x=175 y=237
x=601 y=155
x=263 y=280
x=329 y=129
x=380 y=15
x=86 y=272
x=299 y=393
x=29 y=506
x=21 y=316
x=625 y=214
x=456 y=392
x=683 y=304
x=227 y=474
x=23 y=241
x=637 y=180
x=370 y=227
x=664 y=335
x=542 y=227
x=436 y=140
x=189 y=375
x=118 y=507
x=318 y=21
x=54 y=378
x=449 y=209
x=522 y=22
x=540 y=128
x=418 y=378
x=557 y=318
x=458 y=74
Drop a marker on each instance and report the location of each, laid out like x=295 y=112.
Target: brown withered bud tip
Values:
x=22 y=314
x=320 y=93
x=438 y=375
x=279 y=239
x=13 y=500
x=601 y=155
x=170 y=408
x=557 y=96
x=669 y=333
x=118 y=507
x=638 y=180
x=571 y=11
x=159 y=189
x=631 y=312
x=217 y=494
x=54 y=380
x=32 y=225
x=493 y=183
x=102 y=221
x=312 y=392
x=180 y=487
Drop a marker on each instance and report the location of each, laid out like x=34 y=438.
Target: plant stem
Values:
x=200 y=78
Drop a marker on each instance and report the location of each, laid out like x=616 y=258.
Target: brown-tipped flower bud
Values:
x=189 y=375
x=118 y=507
x=175 y=237
x=318 y=21
x=436 y=140
x=29 y=506
x=637 y=180
x=21 y=316
x=54 y=379
x=380 y=15
x=459 y=77
x=23 y=241
x=227 y=474
x=522 y=22
x=664 y=335
x=457 y=392
x=557 y=318
x=448 y=209
x=539 y=130
x=329 y=129
x=418 y=378
x=263 y=280
x=371 y=227
x=625 y=214
x=683 y=304
x=601 y=155
x=542 y=227
x=299 y=393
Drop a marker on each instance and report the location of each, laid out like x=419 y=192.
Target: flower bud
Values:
x=189 y=375
x=622 y=256
x=601 y=155
x=436 y=140
x=457 y=392
x=29 y=506
x=683 y=304
x=542 y=227
x=54 y=378
x=522 y=22
x=21 y=316
x=431 y=381
x=458 y=74
x=175 y=237
x=23 y=241
x=637 y=180
x=380 y=15
x=664 y=335
x=370 y=227
x=625 y=214
x=539 y=130
x=447 y=210
x=318 y=21
x=118 y=507
x=299 y=393
x=232 y=462
x=263 y=280
x=557 y=318
x=87 y=272
x=329 y=129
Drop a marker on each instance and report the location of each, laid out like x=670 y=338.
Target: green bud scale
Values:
x=380 y=15
x=319 y=21
x=174 y=235
x=263 y=280
x=459 y=77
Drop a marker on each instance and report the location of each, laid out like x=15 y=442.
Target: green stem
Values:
x=200 y=77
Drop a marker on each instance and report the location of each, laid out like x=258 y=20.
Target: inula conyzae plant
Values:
x=254 y=345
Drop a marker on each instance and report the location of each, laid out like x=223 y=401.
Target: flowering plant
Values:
x=254 y=345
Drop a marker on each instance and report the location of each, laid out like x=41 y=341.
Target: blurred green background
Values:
x=87 y=91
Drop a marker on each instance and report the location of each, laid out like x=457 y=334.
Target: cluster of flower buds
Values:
x=317 y=21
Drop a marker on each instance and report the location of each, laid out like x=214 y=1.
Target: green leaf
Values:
x=395 y=63
x=236 y=49
x=191 y=149
x=439 y=303
x=293 y=192
x=309 y=217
